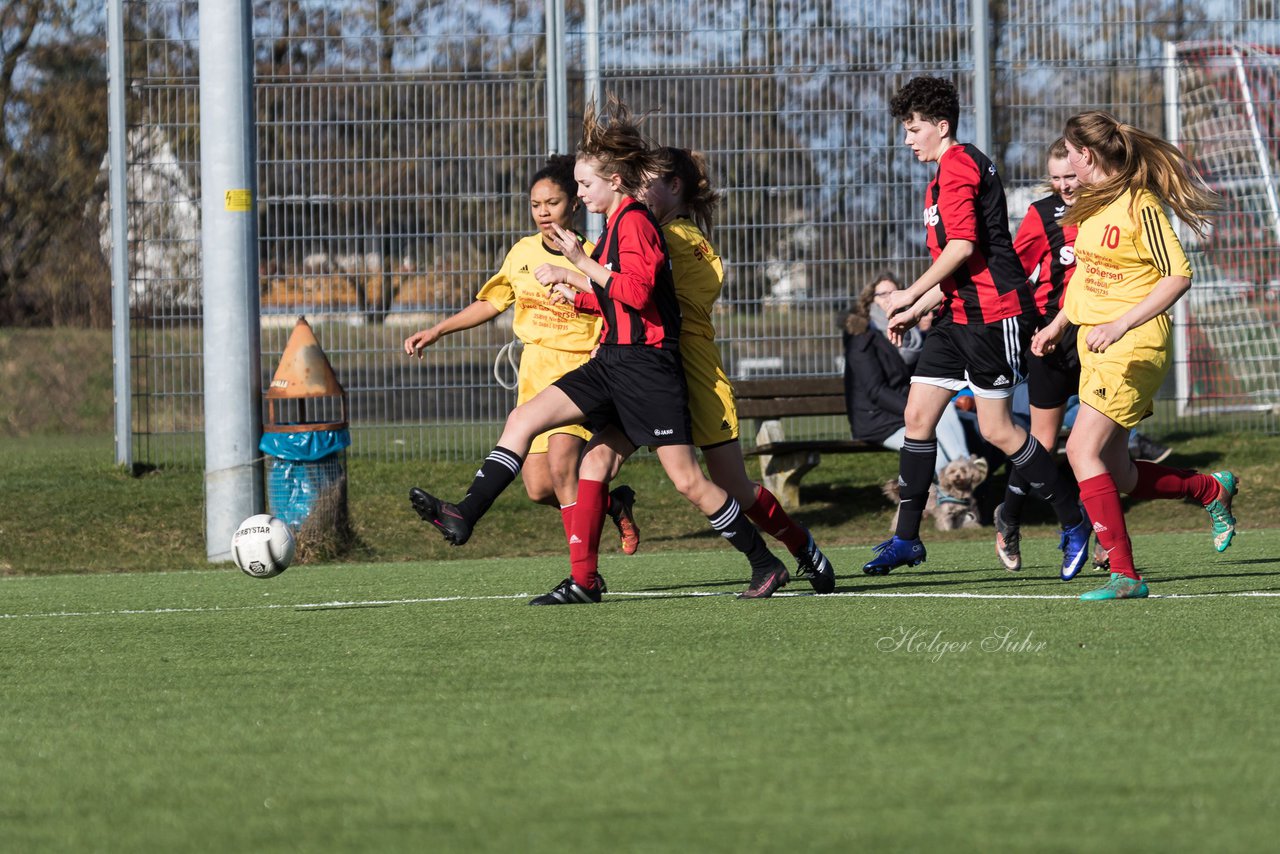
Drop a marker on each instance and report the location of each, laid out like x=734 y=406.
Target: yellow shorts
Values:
x=711 y=403
x=1122 y=382
x=539 y=368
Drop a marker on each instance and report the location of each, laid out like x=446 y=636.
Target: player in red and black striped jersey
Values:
x=631 y=392
x=1046 y=247
x=639 y=305
x=981 y=333
x=683 y=202
x=965 y=204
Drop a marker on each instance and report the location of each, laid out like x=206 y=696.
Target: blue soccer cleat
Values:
x=894 y=553
x=1075 y=547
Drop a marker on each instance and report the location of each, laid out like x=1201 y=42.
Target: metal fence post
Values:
x=122 y=379
x=591 y=85
x=982 y=76
x=1172 y=130
x=557 y=80
x=232 y=369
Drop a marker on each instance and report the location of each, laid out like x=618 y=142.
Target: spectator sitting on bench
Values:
x=877 y=377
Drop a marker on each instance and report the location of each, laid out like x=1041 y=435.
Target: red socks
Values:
x=1157 y=481
x=587 y=518
x=566 y=519
x=768 y=516
x=1101 y=501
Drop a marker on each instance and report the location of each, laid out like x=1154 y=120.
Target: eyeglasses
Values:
x=883 y=294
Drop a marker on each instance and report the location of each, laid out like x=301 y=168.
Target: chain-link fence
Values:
x=395 y=141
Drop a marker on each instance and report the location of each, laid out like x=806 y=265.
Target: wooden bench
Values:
x=784 y=462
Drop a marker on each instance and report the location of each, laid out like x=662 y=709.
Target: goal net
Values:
x=1224 y=113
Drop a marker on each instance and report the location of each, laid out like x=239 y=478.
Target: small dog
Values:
x=956 y=483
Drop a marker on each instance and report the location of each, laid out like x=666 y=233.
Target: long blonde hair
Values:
x=1137 y=160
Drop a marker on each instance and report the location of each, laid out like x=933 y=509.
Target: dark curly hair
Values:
x=559 y=170
x=932 y=98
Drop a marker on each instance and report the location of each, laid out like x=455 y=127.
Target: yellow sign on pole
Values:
x=239 y=201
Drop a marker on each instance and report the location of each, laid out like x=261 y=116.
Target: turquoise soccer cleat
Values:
x=1119 y=587
x=1219 y=510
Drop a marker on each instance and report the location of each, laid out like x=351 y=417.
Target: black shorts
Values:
x=638 y=389
x=989 y=358
x=1053 y=378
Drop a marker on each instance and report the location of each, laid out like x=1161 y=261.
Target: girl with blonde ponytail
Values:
x=1130 y=270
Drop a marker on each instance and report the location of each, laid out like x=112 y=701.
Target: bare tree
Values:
x=52 y=139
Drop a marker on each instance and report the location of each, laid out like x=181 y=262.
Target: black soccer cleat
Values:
x=442 y=514
x=765 y=584
x=813 y=565
x=568 y=592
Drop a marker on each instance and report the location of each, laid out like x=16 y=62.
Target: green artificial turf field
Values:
x=425 y=707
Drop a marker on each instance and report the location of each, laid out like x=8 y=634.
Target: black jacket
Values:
x=876 y=381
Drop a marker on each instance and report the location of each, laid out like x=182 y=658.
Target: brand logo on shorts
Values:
x=660 y=431
x=1001 y=380
x=1100 y=392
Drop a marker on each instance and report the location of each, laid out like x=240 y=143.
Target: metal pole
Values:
x=591 y=82
x=1173 y=133
x=982 y=76
x=229 y=236
x=117 y=136
x=557 y=80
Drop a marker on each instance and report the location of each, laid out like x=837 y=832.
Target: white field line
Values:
x=656 y=594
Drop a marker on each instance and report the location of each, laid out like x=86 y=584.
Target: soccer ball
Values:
x=262 y=546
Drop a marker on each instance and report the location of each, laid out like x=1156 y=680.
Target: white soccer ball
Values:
x=262 y=546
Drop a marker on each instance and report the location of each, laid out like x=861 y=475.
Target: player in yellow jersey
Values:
x=1130 y=270
x=556 y=340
